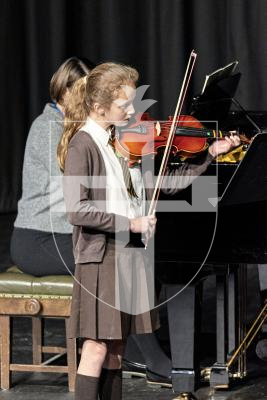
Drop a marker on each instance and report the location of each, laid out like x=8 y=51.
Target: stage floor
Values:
x=44 y=386
x=54 y=387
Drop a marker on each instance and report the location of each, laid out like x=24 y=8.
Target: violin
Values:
x=146 y=137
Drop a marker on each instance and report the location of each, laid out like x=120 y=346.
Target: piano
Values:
x=239 y=239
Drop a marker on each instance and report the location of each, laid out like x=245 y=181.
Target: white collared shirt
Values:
x=118 y=200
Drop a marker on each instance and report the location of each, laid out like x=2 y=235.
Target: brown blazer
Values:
x=87 y=210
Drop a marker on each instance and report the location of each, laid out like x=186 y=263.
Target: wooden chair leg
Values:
x=37 y=341
x=71 y=358
x=5 y=351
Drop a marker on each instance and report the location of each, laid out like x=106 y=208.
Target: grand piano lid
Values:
x=241 y=234
x=249 y=181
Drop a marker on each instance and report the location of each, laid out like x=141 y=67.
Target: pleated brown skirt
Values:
x=93 y=311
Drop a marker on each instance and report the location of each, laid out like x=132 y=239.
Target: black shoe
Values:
x=155 y=379
x=131 y=368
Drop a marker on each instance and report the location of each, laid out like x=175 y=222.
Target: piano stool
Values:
x=23 y=295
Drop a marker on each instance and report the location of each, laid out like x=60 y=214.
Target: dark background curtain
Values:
x=155 y=36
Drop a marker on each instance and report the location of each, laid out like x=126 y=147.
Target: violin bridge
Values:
x=158 y=129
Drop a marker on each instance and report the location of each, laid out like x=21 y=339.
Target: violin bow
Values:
x=180 y=102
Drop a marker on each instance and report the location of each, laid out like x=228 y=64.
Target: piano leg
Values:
x=231 y=282
x=184 y=328
x=219 y=372
x=230 y=325
x=242 y=361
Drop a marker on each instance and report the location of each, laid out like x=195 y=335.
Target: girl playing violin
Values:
x=98 y=211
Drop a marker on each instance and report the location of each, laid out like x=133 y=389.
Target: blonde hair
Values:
x=101 y=86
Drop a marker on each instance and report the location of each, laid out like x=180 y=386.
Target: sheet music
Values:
x=220 y=73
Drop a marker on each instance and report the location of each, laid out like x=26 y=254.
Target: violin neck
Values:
x=200 y=132
x=141 y=129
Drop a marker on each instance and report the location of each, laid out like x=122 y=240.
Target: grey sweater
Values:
x=37 y=209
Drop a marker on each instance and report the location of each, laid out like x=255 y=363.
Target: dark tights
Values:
x=39 y=253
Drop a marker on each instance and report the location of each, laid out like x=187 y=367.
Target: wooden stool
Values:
x=28 y=296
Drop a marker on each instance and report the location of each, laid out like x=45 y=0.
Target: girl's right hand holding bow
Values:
x=145 y=225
